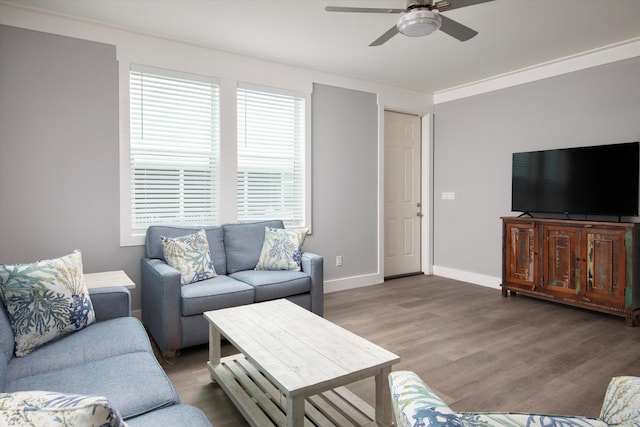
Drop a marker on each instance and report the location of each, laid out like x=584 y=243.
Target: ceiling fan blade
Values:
x=456 y=4
x=385 y=37
x=456 y=29
x=362 y=9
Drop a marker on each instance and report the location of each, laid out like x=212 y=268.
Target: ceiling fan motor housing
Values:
x=417 y=23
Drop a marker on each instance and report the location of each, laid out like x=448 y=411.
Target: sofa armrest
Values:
x=161 y=303
x=621 y=404
x=313 y=265
x=414 y=403
x=110 y=302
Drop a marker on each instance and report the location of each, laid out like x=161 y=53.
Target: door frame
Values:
x=426 y=166
x=427 y=193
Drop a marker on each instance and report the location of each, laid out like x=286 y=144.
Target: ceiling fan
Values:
x=419 y=18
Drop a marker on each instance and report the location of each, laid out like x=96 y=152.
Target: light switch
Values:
x=448 y=195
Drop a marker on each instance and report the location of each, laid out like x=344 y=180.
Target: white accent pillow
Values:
x=45 y=300
x=51 y=409
x=189 y=255
x=281 y=249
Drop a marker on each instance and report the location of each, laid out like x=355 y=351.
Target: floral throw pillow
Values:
x=51 y=409
x=189 y=255
x=621 y=405
x=45 y=300
x=281 y=249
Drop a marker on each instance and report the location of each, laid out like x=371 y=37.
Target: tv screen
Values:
x=598 y=180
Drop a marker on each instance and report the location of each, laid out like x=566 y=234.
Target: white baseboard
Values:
x=375 y=279
x=352 y=282
x=467 y=276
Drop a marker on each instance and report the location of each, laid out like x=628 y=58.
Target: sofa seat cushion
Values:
x=270 y=285
x=111 y=379
x=414 y=403
x=529 y=420
x=177 y=415
x=97 y=341
x=212 y=294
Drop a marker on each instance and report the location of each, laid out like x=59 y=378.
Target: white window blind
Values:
x=271 y=143
x=174 y=149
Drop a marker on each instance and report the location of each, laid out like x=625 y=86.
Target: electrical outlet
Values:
x=339 y=261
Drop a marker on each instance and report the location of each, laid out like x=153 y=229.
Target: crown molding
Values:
x=588 y=59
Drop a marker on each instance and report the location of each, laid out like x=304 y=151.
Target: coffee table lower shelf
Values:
x=262 y=404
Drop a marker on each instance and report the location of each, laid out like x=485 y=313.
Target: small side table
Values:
x=108 y=278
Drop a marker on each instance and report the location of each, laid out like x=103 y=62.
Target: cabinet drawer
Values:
x=605 y=276
x=521 y=253
x=561 y=259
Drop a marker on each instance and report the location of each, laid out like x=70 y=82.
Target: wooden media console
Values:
x=588 y=264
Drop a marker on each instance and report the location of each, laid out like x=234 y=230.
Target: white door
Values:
x=402 y=207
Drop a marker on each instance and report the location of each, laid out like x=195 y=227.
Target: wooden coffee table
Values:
x=293 y=366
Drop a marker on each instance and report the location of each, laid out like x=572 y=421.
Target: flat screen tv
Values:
x=600 y=180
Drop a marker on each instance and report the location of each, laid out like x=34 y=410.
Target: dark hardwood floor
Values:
x=477 y=350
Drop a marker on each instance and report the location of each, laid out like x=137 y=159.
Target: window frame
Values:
x=129 y=234
x=227 y=175
x=305 y=147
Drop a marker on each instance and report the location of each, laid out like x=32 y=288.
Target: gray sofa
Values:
x=173 y=313
x=112 y=358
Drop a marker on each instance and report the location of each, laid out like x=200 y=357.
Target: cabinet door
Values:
x=521 y=253
x=605 y=276
x=562 y=260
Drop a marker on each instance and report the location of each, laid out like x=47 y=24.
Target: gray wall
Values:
x=345 y=180
x=59 y=152
x=59 y=167
x=475 y=137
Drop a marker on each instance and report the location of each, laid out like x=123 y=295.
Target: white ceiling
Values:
x=513 y=34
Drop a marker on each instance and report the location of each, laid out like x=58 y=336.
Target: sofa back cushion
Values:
x=3 y=373
x=153 y=244
x=6 y=345
x=243 y=243
x=7 y=339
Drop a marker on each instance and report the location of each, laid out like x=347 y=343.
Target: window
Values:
x=174 y=149
x=271 y=155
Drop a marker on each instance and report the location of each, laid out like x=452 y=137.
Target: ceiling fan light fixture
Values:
x=419 y=23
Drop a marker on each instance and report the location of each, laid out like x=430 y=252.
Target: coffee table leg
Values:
x=214 y=348
x=383 y=398
x=295 y=411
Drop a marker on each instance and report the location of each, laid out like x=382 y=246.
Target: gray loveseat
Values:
x=173 y=314
x=112 y=358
